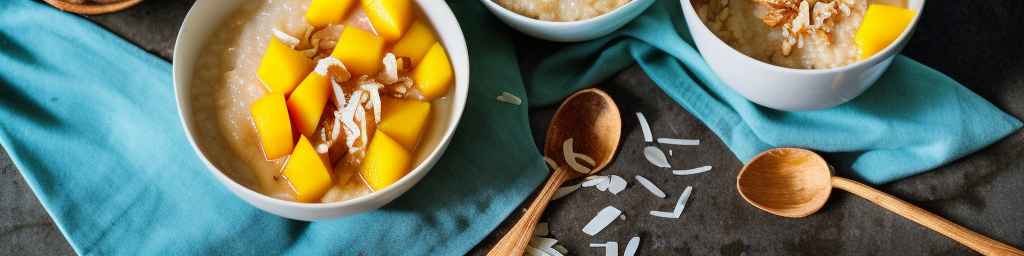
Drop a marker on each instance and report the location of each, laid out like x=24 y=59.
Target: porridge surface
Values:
x=562 y=10
x=743 y=24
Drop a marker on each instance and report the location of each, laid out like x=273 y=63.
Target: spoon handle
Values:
x=514 y=242
x=978 y=242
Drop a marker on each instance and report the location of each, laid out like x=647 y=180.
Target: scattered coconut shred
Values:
x=603 y=218
x=692 y=171
x=680 y=142
x=650 y=186
x=680 y=205
x=509 y=98
x=645 y=127
x=656 y=157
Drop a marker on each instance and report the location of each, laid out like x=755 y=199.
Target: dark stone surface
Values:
x=976 y=43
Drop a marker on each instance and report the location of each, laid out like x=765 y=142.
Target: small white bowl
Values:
x=570 y=31
x=206 y=16
x=787 y=88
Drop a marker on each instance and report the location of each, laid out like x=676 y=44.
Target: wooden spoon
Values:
x=591 y=118
x=793 y=182
x=93 y=8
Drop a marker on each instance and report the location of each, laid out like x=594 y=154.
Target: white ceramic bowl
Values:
x=787 y=88
x=207 y=15
x=570 y=31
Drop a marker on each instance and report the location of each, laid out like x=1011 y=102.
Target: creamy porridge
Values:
x=561 y=10
x=804 y=34
x=331 y=151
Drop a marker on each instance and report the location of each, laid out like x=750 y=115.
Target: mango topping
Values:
x=270 y=115
x=434 y=74
x=881 y=26
x=282 y=68
x=385 y=163
x=307 y=173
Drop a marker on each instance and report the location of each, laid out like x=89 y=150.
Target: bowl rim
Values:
x=563 y=24
x=459 y=101
x=689 y=10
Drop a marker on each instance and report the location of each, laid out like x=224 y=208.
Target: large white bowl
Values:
x=207 y=15
x=787 y=88
x=570 y=31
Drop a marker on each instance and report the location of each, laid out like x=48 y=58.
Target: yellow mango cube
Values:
x=306 y=172
x=881 y=26
x=361 y=51
x=282 y=67
x=325 y=12
x=385 y=163
x=307 y=102
x=433 y=76
x=415 y=42
x=270 y=115
x=390 y=18
x=404 y=120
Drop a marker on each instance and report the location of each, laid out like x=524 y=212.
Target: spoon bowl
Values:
x=589 y=117
x=793 y=182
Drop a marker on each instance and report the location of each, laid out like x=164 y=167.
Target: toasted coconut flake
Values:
x=509 y=98
x=373 y=89
x=348 y=115
x=531 y=251
x=650 y=186
x=692 y=171
x=601 y=220
x=564 y=191
x=541 y=230
x=611 y=248
x=570 y=157
x=390 y=73
x=616 y=184
x=324 y=65
x=542 y=242
x=285 y=38
x=322 y=148
x=645 y=127
x=680 y=205
x=595 y=181
x=632 y=246
x=656 y=157
x=680 y=142
x=561 y=249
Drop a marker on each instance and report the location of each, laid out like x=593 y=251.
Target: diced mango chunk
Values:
x=282 y=67
x=385 y=163
x=307 y=102
x=270 y=115
x=390 y=18
x=434 y=74
x=404 y=120
x=307 y=173
x=881 y=26
x=325 y=12
x=415 y=42
x=361 y=51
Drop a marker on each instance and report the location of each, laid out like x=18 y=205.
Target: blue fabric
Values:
x=90 y=121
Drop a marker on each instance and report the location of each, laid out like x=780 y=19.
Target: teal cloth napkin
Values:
x=92 y=126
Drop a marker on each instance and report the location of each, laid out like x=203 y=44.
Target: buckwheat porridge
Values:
x=803 y=34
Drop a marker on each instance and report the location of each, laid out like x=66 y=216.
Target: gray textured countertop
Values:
x=976 y=43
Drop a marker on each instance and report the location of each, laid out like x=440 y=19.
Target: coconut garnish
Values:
x=594 y=181
x=611 y=248
x=680 y=205
x=681 y=142
x=632 y=246
x=390 y=73
x=372 y=88
x=322 y=148
x=509 y=98
x=285 y=38
x=323 y=65
x=650 y=186
x=645 y=127
x=347 y=117
x=616 y=184
x=560 y=249
x=570 y=157
x=601 y=220
x=564 y=191
x=541 y=229
x=656 y=157
x=692 y=171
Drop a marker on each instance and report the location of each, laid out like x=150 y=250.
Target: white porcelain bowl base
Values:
x=786 y=88
x=570 y=31
x=206 y=16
